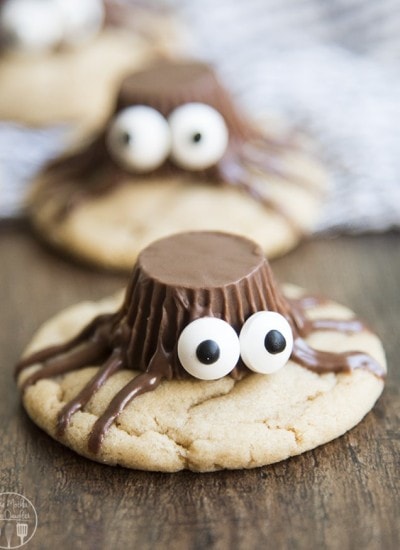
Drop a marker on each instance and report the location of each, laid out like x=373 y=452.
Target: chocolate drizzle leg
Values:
x=113 y=364
x=249 y=156
x=175 y=281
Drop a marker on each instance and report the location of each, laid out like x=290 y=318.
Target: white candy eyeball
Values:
x=199 y=136
x=208 y=348
x=266 y=342
x=30 y=25
x=82 y=19
x=139 y=138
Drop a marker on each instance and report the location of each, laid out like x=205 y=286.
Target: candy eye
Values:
x=208 y=348
x=199 y=136
x=266 y=342
x=81 y=19
x=139 y=138
x=30 y=25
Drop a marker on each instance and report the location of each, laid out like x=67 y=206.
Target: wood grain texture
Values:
x=343 y=495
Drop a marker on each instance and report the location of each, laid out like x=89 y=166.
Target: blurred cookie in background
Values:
x=177 y=154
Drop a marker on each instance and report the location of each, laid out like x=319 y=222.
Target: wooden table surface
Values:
x=343 y=495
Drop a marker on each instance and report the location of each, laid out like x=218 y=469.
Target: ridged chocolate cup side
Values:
x=191 y=275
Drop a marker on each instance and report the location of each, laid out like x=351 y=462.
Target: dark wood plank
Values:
x=342 y=495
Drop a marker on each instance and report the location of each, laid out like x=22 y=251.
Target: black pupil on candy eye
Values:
x=196 y=137
x=126 y=138
x=207 y=352
x=274 y=342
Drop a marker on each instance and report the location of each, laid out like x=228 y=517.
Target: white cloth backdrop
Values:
x=331 y=67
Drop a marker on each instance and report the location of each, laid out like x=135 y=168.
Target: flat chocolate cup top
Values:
x=206 y=260
x=164 y=79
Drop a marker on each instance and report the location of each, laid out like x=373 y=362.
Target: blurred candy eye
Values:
x=139 y=138
x=82 y=19
x=199 y=136
x=31 y=25
x=208 y=348
x=266 y=342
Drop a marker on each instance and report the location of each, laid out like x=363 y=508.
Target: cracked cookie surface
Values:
x=209 y=425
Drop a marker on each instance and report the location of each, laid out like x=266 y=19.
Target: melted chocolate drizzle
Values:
x=91 y=171
x=177 y=280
